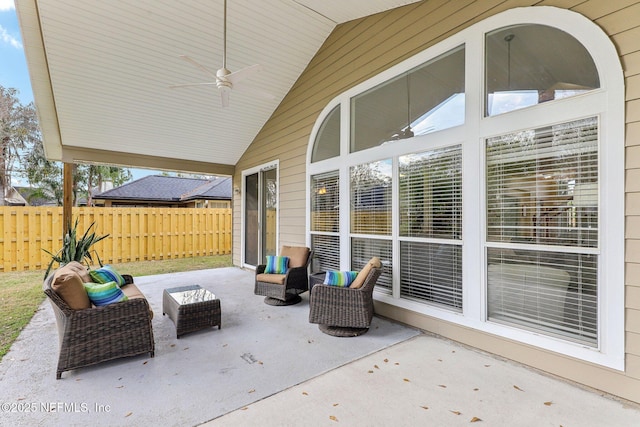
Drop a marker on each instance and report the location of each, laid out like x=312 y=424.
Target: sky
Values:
x=14 y=72
x=13 y=66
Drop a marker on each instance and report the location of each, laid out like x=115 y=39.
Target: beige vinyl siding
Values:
x=623 y=26
x=358 y=50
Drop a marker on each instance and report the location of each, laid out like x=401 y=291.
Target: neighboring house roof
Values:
x=216 y=189
x=14 y=198
x=170 y=189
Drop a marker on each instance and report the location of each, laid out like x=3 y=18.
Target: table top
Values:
x=190 y=294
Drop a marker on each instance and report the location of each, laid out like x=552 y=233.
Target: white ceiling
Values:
x=101 y=70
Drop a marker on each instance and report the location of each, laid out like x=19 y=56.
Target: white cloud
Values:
x=6 y=5
x=7 y=38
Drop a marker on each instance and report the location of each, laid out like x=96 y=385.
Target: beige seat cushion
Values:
x=362 y=276
x=132 y=292
x=278 y=279
x=298 y=255
x=68 y=282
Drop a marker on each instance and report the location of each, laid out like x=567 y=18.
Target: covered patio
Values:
x=269 y=366
x=101 y=77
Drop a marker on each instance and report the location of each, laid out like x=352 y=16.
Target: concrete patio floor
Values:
x=429 y=381
x=268 y=366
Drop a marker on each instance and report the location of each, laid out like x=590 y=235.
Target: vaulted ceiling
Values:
x=101 y=73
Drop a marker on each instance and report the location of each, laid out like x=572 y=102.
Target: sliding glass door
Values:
x=260 y=214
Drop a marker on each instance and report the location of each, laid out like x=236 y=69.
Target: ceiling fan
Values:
x=225 y=80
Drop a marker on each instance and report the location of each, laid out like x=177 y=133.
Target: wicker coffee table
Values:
x=191 y=308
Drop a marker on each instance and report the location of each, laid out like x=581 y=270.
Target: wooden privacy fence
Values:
x=135 y=234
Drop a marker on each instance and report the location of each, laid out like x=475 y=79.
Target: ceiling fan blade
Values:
x=198 y=65
x=193 y=84
x=224 y=96
x=244 y=73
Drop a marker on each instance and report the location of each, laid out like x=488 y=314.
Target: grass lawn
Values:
x=21 y=292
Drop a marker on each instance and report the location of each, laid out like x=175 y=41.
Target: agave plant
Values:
x=76 y=249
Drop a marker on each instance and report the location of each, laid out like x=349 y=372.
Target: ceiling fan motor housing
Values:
x=221 y=79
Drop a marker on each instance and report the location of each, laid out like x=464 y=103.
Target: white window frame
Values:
x=607 y=103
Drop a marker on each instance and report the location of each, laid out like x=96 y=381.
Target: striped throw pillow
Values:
x=276 y=264
x=339 y=278
x=104 y=293
x=106 y=274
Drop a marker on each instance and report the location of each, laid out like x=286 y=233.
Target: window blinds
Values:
x=362 y=250
x=325 y=221
x=542 y=189
x=553 y=292
x=326 y=253
x=542 y=186
x=431 y=273
x=431 y=194
x=431 y=208
x=325 y=202
x=371 y=198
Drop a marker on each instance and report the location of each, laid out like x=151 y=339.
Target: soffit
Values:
x=101 y=72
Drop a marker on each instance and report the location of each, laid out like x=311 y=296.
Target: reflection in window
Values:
x=327 y=143
x=551 y=292
x=542 y=189
x=431 y=194
x=430 y=186
x=326 y=253
x=325 y=201
x=431 y=273
x=363 y=249
x=542 y=185
x=426 y=99
x=524 y=67
x=541 y=224
x=371 y=198
x=325 y=221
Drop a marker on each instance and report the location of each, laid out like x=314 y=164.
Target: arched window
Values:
x=493 y=213
x=327 y=143
x=523 y=68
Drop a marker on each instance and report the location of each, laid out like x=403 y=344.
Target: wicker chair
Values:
x=97 y=334
x=285 y=289
x=342 y=311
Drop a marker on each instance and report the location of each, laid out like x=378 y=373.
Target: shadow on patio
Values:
x=269 y=366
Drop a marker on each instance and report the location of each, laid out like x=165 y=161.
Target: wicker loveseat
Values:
x=89 y=334
x=345 y=311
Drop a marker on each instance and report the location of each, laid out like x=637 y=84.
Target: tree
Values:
x=96 y=175
x=47 y=176
x=19 y=132
x=21 y=145
x=44 y=174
